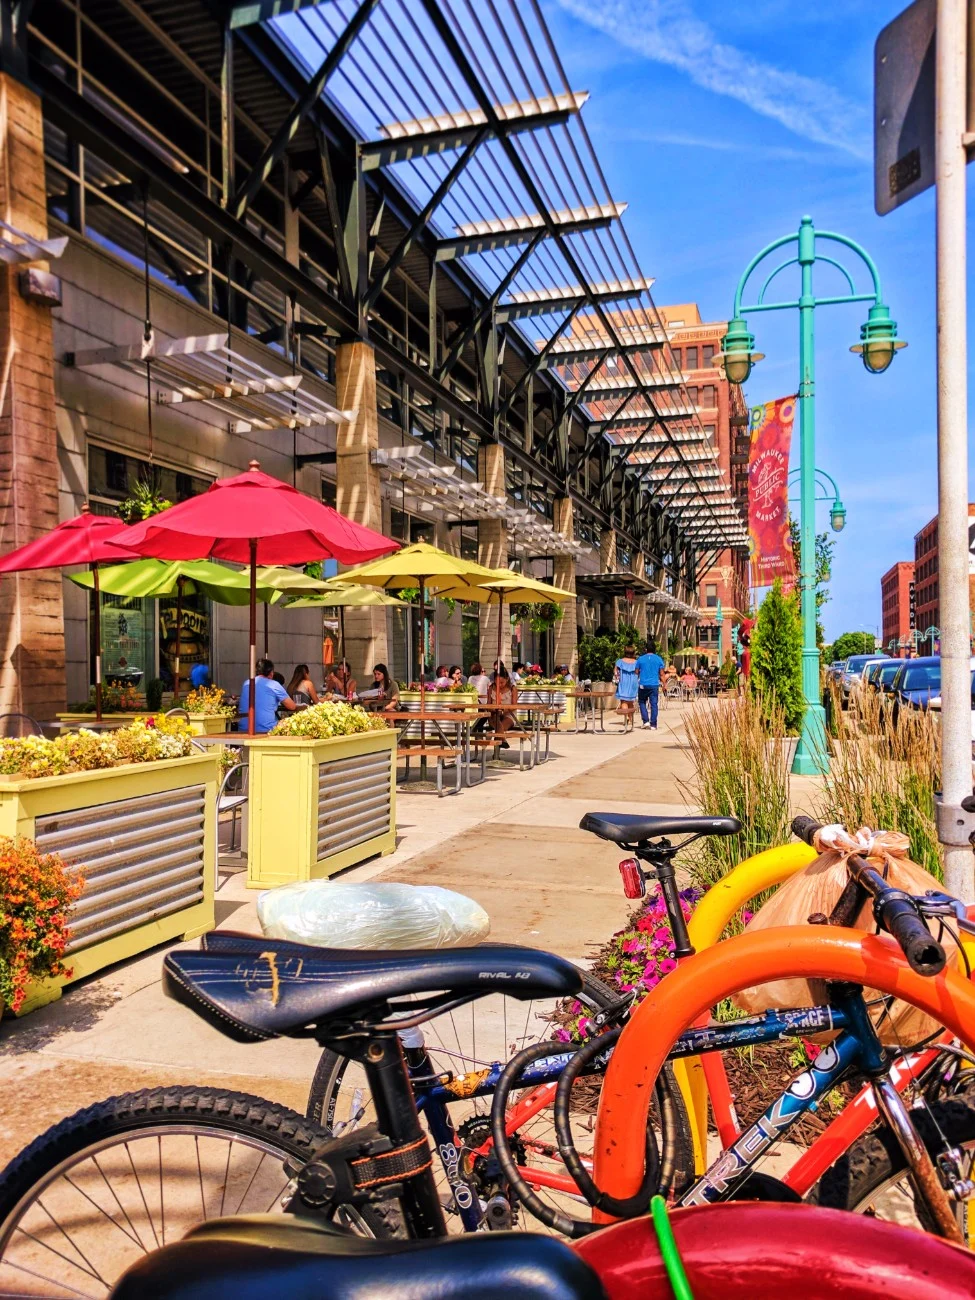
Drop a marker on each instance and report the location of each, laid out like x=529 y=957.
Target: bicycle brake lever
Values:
x=935 y=903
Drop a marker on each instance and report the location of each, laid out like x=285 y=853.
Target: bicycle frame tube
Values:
x=813 y=952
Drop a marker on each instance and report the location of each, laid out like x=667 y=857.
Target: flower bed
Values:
x=209 y=712
x=146 y=740
x=140 y=829
x=36 y=891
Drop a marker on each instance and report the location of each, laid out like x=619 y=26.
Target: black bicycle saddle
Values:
x=263 y=1257
x=253 y=988
x=631 y=828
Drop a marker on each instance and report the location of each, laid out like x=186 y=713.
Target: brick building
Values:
x=896 y=591
x=928 y=615
x=724 y=414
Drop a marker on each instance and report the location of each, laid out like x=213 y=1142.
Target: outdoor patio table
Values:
x=596 y=700
x=535 y=714
x=441 y=721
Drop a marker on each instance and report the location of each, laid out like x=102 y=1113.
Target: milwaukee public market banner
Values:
x=768 y=493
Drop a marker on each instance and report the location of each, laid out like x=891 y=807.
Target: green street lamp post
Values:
x=877 y=345
x=719 y=615
x=837 y=510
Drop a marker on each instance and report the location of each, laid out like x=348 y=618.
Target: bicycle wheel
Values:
x=872 y=1176
x=120 y=1178
x=462 y=1042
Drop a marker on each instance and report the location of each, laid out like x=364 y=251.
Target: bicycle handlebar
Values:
x=894 y=910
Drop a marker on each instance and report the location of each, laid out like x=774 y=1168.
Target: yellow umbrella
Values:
x=424 y=566
x=516 y=588
x=345 y=598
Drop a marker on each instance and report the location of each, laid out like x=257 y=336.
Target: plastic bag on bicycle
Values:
x=817 y=889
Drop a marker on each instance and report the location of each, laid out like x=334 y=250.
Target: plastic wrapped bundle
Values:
x=384 y=915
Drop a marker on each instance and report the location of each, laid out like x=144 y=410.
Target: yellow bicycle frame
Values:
x=706 y=926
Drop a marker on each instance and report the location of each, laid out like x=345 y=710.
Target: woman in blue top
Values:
x=627 y=682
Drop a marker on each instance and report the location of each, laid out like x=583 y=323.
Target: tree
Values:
x=853 y=643
x=776 y=670
x=824 y=568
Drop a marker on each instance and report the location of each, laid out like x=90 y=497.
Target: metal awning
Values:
x=206 y=369
x=440 y=491
x=604 y=586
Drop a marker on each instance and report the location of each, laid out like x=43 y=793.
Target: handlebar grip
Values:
x=924 y=954
x=804 y=828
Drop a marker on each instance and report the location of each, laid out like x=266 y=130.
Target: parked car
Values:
x=853 y=670
x=916 y=682
x=885 y=674
x=835 y=671
x=871 y=673
x=935 y=702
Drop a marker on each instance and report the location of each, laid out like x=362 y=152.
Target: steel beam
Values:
x=535 y=364
x=531 y=303
x=276 y=148
x=504 y=232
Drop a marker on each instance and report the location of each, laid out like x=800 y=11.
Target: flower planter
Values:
x=436 y=701
x=209 y=724
x=317 y=806
x=82 y=719
x=550 y=695
x=145 y=836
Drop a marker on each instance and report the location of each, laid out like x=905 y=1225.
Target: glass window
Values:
x=470 y=636
x=707 y=355
x=691 y=358
x=128 y=640
x=328 y=492
x=709 y=396
x=711 y=595
x=692 y=396
x=677 y=356
x=112 y=475
x=468 y=542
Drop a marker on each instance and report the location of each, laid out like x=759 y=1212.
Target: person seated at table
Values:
x=563 y=671
x=269 y=696
x=480 y=681
x=689 y=680
x=457 y=675
x=503 y=691
x=385 y=688
x=443 y=677
x=517 y=672
x=301 y=688
x=340 y=682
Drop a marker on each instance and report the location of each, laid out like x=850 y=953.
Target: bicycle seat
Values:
x=259 y=988
x=253 y=1257
x=630 y=828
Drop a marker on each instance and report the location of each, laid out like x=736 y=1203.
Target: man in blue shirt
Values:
x=200 y=676
x=649 y=667
x=269 y=696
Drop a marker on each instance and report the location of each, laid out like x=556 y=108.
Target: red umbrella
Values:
x=255 y=519
x=86 y=539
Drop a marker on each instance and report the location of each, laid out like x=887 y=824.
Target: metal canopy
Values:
x=440 y=491
x=206 y=369
x=523 y=303
x=603 y=586
x=18 y=248
x=506 y=232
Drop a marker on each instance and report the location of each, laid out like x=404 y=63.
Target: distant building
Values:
x=724 y=414
x=926 y=590
x=896 y=598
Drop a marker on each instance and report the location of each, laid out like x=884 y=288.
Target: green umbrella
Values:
x=343 y=598
x=151 y=578
x=286 y=582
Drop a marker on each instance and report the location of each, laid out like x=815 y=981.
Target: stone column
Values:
x=31 y=604
x=357 y=492
x=492 y=551
x=640 y=600
x=607 y=564
x=566 y=641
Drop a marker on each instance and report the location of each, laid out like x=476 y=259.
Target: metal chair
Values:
x=15 y=725
x=232 y=797
x=178 y=713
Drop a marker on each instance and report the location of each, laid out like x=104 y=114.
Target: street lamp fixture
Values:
x=837 y=516
x=739 y=355
x=826 y=490
x=878 y=340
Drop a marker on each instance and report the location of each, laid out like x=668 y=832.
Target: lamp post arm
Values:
x=863 y=255
x=769 y=248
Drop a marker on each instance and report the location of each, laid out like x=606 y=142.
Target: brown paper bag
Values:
x=818 y=889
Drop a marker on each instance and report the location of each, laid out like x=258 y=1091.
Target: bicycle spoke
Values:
x=250 y=1183
x=111 y=1192
x=22 y=1268
x=142 y=1195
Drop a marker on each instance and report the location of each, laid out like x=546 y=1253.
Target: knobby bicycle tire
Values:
x=675 y=1143
x=97 y=1134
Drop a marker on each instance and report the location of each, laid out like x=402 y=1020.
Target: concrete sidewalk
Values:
x=512 y=843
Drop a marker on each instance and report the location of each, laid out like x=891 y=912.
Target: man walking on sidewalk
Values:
x=649 y=667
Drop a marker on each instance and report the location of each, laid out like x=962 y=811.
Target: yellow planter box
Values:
x=551 y=695
x=144 y=835
x=317 y=806
x=81 y=719
x=210 y=724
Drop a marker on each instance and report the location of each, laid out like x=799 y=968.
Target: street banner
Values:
x=768 y=493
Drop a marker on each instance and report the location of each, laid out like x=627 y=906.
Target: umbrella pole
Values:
x=98 y=644
x=500 y=616
x=342 y=655
x=253 y=638
x=266 y=655
x=179 y=638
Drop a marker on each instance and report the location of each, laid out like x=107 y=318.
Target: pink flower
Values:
x=632 y=945
x=563 y=1036
x=662 y=936
x=652 y=982
x=667 y=965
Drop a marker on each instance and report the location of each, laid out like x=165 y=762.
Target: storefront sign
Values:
x=768 y=493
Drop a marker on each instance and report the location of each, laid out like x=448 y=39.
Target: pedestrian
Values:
x=269 y=696
x=649 y=667
x=626 y=678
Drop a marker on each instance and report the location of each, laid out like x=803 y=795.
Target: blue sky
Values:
x=721 y=126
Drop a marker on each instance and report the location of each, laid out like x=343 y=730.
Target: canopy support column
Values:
x=564 y=575
x=607 y=564
x=492 y=551
x=357 y=489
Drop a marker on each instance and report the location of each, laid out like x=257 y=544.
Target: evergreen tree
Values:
x=776 y=669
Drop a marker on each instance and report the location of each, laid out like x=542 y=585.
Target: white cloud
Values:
x=667 y=31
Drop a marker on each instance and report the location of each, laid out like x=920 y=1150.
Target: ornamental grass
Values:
x=741 y=770
x=884 y=773
x=36 y=891
x=329 y=719
x=146 y=740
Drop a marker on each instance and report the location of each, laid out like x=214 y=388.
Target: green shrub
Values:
x=776 y=672
x=154 y=693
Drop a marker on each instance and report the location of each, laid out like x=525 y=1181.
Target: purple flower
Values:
x=563 y=1036
x=662 y=936
x=652 y=982
x=667 y=965
x=632 y=945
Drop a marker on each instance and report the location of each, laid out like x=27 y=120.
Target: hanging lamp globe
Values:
x=837 y=516
x=878 y=340
x=738 y=355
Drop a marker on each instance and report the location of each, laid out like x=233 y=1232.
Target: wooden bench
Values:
x=414 y=749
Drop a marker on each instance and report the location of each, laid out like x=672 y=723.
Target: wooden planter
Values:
x=145 y=836
x=317 y=806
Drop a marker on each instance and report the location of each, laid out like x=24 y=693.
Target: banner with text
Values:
x=768 y=493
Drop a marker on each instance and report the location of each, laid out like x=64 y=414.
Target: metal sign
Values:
x=903 y=105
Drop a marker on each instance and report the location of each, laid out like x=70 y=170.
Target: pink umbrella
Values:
x=86 y=539
x=255 y=519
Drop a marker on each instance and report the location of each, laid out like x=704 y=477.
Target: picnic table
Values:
x=587 y=705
